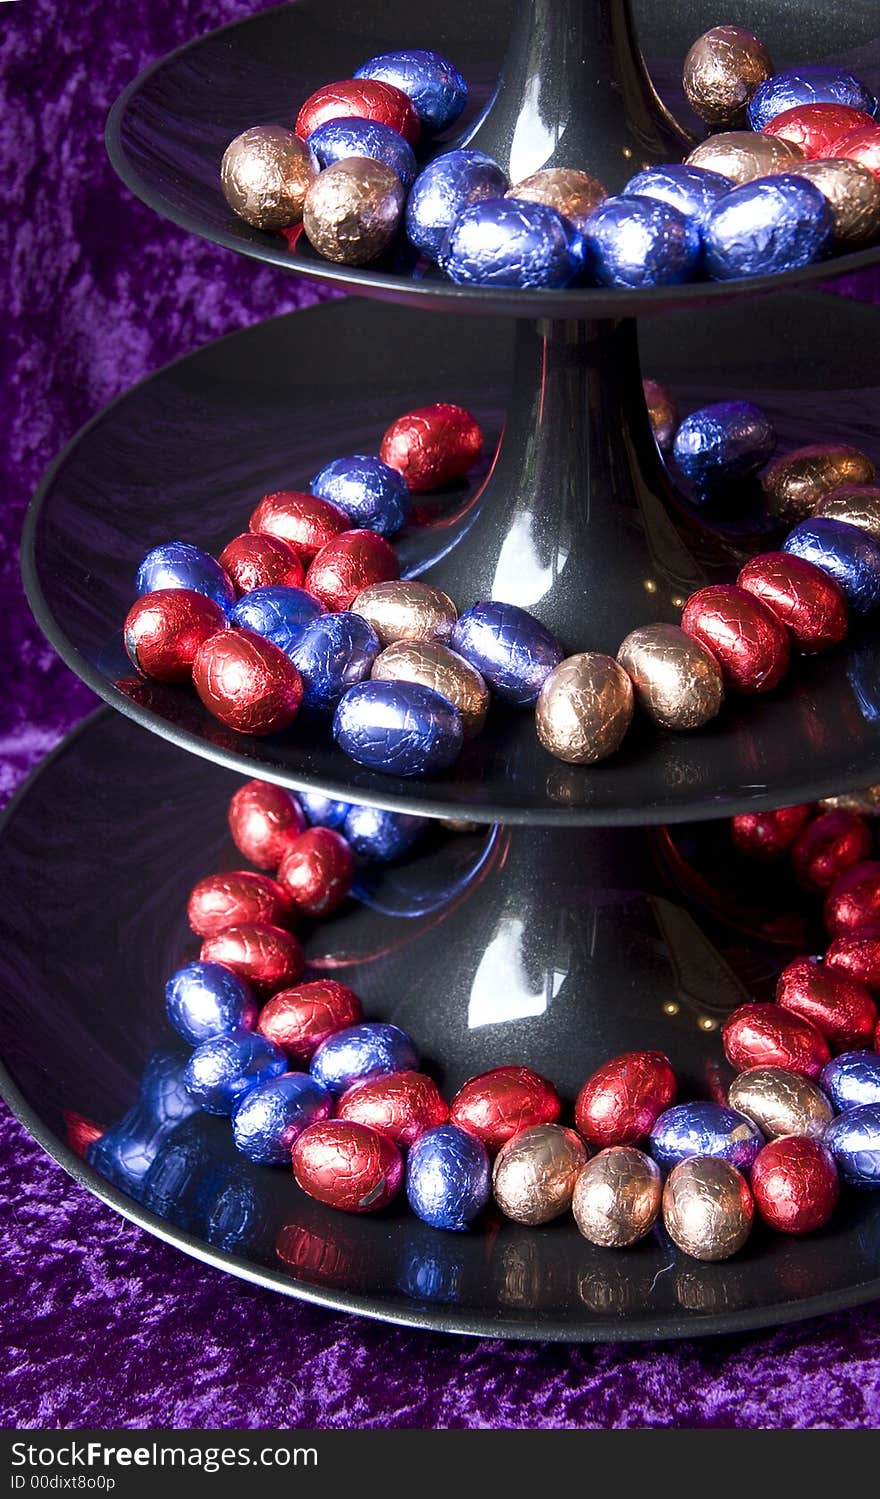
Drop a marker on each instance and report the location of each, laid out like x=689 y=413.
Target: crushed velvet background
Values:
x=102 y=1325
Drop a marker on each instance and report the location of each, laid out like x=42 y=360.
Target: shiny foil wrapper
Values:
x=748 y=641
x=662 y=413
x=780 y=1102
x=226 y=1067
x=852 y=1080
x=266 y=957
x=360 y=1051
x=498 y=1104
x=353 y=210
x=573 y=194
x=165 y=630
x=347 y=1166
x=862 y=146
x=621 y=1102
x=435 y=86
x=406 y=610
x=795 y=1185
x=307 y=522
x=347 y=565
x=432 y=446
x=535 y=1173
x=779 y=223
x=267 y=1121
x=803 y=598
x=795 y=483
x=677 y=681
x=512 y=242
x=821 y=83
x=703 y=1128
x=768 y=835
x=828 y=846
x=816 y=128
x=854 y=1140
x=261 y=562
x=743 y=155
x=300 y=1019
x=247 y=682
x=265 y=175
x=858 y=956
x=317 y=871
x=448 y=1177
x=837 y=1005
x=263 y=820
x=765 y=1035
x=855 y=505
x=722 y=441
x=402 y=1105
x=360 y=99
x=207 y=999
x=584 y=709
x=853 y=194
x=508 y=646
x=850 y=555
x=721 y=72
x=707 y=1208
x=853 y=902
x=866 y=803
x=434 y=665
x=400 y=728
x=617 y=1197
x=240 y=896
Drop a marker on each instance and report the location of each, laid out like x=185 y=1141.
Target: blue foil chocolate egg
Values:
x=727 y=440
x=278 y=613
x=639 y=241
x=178 y=564
x=766 y=226
x=370 y=492
x=398 y=727
x=434 y=84
x=323 y=811
x=208 y=999
x=443 y=190
x=847 y=554
x=512 y=649
x=377 y=836
x=124 y=1153
x=512 y=242
x=268 y=1119
x=851 y=1079
x=337 y=139
x=362 y=1051
x=854 y=1140
x=222 y=1070
x=448 y=1177
x=701 y=1128
x=332 y=654
x=692 y=190
x=817 y=84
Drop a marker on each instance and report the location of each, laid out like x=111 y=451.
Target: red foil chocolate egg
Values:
x=816 y=128
x=300 y=1019
x=803 y=598
x=317 y=871
x=264 y=820
x=496 y=1105
x=266 y=957
x=433 y=445
x=858 y=956
x=830 y=845
x=254 y=561
x=853 y=902
x=862 y=146
x=838 y=1006
x=402 y=1105
x=239 y=897
x=795 y=1184
x=361 y=99
x=347 y=1165
x=247 y=682
x=306 y=521
x=164 y=631
x=768 y=835
x=622 y=1101
x=349 y=563
x=764 y=1035
x=745 y=637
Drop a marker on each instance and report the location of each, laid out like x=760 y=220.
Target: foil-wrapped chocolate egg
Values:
x=722 y=70
x=852 y=1079
x=828 y=846
x=724 y=441
x=795 y=1185
x=662 y=413
x=208 y=999
x=331 y=655
x=435 y=86
x=400 y=728
x=742 y=155
x=747 y=640
x=353 y=210
x=853 y=902
x=857 y=954
x=815 y=84
x=855 y=505
x=853 y=194
x=509 y=647
x=348 y=564
x=573 y=194
x=623 y=1099
x=848 y=554
x=865 y=802
x=263 y=819
x=535 y=1173
x=179 y=564
x=617 y=1197
x=677 y=681
x=444 y=189
x=247 y=682
x=230 y=898
x=268 y=1119
x=165 y=630
x=584 y=708
x=804 y=599
x=372 y=493
x=265 y=175
x=360 y=99
x=432 y=446
x=839 y=1006
x=300 y=1019
x=816 y=128
x=260 y=562
x=347 y=1165
x=402 y=1105
x=266 y=957
x=379 y=837
x=448 y=1177
x=701 y=1129
x=764 y=1035
x=862 y=146
x=707 y=1208
x=692 y=190
x=224 y=1068
x=639 y=242
x=795 y=483
x=854 y=1140
x=362 y=1051
x=780 y=1102
x=768 y=835
x=406 y=610
x=434 y=665
x=498 y=1104
x=512 y=242
x=305 y=521
x=337 y=140
x=772 y=224
x=277 y=613
x=317 y=871
x=323 y=811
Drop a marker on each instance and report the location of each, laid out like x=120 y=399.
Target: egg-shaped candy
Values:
x=512 y=242
x=795 y=483
x=573 y=194
x=815 y=84
x=828 y=846
x=724 y=441
x=804 y=599
x=372 y=493
x=639 y=242
x=337 y=140
x=228 y=899
x=247 y=682
x=254 y=561
x=854 y=1140
x=400 y=728
x=509 y=647
x=857 y=954
x=765 y=1035
x=266 y=957
x=401 y=1105
x=853 y=902
x=862 y=146
x=178 y=564
x=268 y=1119
x=208 y=999
x=677 y=681
x=435 y=86
x=701 y=1129
x=300 y=1019
x=448 y=1177
x=317 y=871
x=164 y=631
x=361 y=1051
x=584 y=708
x=353 y=210
x=224 y=1068
x=443 y=190
x=742 y=155
x=432 y=446
x=840 y=1007
x=692 y=190
x=707 y=1208
x=772 y=224
x=263 y=819
x=348 y=564
x=306 y=521
x=747 y=640
x=780 y=1102
x=433 y=665
x=406 y=610
x=497 y=1104
x=853 y=194
x=347 y=1165
x=768 y=835
x=722 y=70
x=324 y=811
x=265 y=174
x=535 y=1172
x=377 y=836
x=816 y=128
x=663 y=413
x=795 y=1185
x=276 y=613
x=360 y=99
x=852 y=1079
x=617 y=1197
x=855 y=505
x=332 y=654
x=848 y=554
x=623 y=1099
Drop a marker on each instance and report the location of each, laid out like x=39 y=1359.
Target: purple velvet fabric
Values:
x=104 y=1326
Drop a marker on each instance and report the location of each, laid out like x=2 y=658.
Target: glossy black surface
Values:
x=265 y=408
x=559 y=950
x=168 y=131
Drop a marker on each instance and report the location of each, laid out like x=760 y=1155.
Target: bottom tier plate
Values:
x=488 y=948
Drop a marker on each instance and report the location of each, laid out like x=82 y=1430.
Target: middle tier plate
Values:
x=190 y=451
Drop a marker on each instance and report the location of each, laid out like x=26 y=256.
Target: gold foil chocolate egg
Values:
x=535 y=1172
x=265 y=175
x=856 y=504
x=780 y=1102
x=406 y=610
x=707 y=1208
x=617 y=1197
x=573 y=194
x=867 y=802
x=352 y=210
x=853 y=193
x=743 y=155
x=677 y=681
x=662 y=413
x=795 y=483
x=434 y=665
x=584 y=708
x=722 y=70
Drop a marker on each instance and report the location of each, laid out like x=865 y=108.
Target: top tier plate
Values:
x=167 y=132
